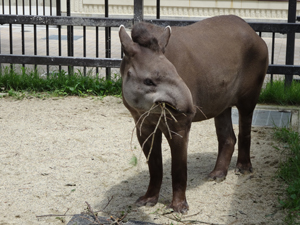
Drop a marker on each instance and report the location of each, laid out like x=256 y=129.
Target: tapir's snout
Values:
x=177 y=96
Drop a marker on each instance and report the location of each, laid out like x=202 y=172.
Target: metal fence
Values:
x=48 y=14
x=41 y=15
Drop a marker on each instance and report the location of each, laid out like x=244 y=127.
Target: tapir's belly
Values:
x=214 y=92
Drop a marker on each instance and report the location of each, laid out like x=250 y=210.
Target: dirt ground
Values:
x=58 y=153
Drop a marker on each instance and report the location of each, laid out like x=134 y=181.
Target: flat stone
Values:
x=267 y=118
x=82 y=219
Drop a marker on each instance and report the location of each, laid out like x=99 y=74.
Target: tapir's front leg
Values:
x=154 y=164
x=179 y=146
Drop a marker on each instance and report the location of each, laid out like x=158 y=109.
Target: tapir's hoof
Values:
x=217 y=176
x=144 y=201
x=243 y=170
x=181 y=207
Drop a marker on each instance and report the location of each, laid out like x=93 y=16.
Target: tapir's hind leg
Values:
x=244 y=140
x=227 y=140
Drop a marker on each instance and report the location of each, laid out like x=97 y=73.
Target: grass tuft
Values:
x=58 y=83
x=290 y=172
x=277 y=93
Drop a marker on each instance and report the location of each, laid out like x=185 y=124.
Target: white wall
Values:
x=193 y=9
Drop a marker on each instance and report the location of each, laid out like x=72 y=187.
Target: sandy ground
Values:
x=56 y=154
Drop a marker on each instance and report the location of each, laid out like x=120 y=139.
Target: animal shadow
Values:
x=120 y=198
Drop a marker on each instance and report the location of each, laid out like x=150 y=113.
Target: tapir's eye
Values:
x=149 y=82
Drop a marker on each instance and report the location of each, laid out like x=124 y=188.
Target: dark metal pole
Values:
x=58 y=13
x=23 y=32
x=107 y=43
x=272 y=53
x=157 y=9
x=290 y=41
x=58 y=8
x=10 y=35
x=138 y=11
x=70 y=37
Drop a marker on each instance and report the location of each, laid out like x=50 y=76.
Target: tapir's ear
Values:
x=164 y=38
x=129 y=47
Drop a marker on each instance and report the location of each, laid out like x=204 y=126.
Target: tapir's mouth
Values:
x=169 y=107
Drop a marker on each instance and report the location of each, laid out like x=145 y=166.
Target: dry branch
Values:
x=92 y=212
x=56 y=215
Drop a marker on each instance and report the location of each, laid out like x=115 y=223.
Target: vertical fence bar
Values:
x=44 y=8
x=97 y=47
x=58 y=13
x=272 y=54
x=17 y=11
x=51 y=8
x=70 y=35
x=10 y=35
x=47 y=35
x=107 y=42
x=290 y=41
x=35 y=32
x=23 y=7
x=84 y=48
x=30 y=12
x=23 y=32
x=138 y=11
x=3 y=12
x=157 y=9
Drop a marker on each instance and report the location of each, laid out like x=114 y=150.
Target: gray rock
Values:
x=83 y=219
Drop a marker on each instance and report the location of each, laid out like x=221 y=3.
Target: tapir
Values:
x=173 y=76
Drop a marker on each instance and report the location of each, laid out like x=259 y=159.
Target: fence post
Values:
x=58 y=13
x=138 y=11
x=107 y=43
x=58 y=8
x=290 y=41
x=157 y=9
x=70 y=37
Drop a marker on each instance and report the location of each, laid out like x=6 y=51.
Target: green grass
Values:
x=58 y=83
x=289 y=172
x=278 y=94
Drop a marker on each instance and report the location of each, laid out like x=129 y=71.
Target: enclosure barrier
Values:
x=58 y=20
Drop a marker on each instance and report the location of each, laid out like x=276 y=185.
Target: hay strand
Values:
x=165 y=117
x=201 y=112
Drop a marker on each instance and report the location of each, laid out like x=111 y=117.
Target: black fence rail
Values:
x=50 y=15
x=33 y=14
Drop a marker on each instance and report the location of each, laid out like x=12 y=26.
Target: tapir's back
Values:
x=219 y=58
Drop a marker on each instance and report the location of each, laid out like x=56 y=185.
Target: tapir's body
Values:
x=201 y=70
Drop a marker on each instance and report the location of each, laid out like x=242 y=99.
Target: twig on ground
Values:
x=50 y=215
x=172 y=216
x=92 y=212
x=116 y=221
x=109 y=200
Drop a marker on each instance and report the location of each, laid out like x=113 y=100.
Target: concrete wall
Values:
x=187 y=9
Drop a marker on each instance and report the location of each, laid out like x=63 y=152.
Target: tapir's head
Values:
x=148 y=76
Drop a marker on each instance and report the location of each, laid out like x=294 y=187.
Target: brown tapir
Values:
x=191 y=73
